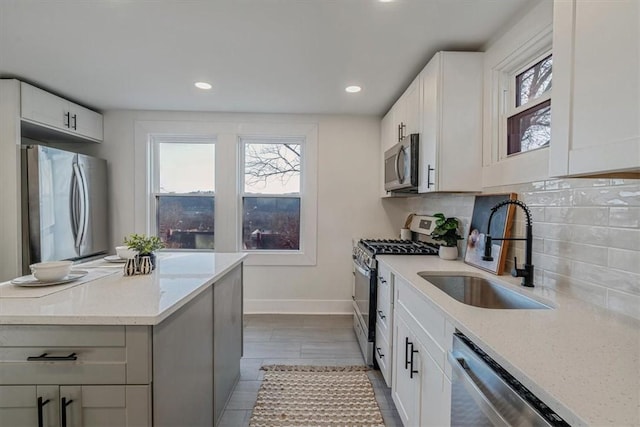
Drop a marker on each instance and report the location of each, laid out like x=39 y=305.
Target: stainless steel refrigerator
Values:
x=64 y=205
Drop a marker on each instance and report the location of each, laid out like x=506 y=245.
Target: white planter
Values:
x=448 y=252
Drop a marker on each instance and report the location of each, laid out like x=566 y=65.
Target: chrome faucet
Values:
x=527 y=271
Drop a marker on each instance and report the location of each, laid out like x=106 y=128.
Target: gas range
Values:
x=367 y=249
x=366 y=277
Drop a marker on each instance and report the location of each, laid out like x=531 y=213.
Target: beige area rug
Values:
x=315 y=396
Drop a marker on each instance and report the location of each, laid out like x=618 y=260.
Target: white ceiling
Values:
x=285 y=56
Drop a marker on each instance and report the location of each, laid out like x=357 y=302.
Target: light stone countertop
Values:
x=581 y=360
x=119 y=300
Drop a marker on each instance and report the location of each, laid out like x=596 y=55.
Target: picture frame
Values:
x=501 y=226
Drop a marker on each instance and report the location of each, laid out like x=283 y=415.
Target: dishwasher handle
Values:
x=458 y=365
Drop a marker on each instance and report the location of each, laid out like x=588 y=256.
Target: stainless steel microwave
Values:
x=401 y=166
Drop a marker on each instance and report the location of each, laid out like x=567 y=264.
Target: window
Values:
x=271 y=198
x=183 y=191
x=529 y=108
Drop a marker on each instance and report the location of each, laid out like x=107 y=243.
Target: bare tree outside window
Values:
x=271 y=201
x=531 y=129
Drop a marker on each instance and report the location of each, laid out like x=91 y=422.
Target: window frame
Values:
x=242 y=143
x=510 y=107
x=154 y=181
x=307 y=135
x=226 y=134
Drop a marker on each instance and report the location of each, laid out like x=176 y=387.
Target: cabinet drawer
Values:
x=61 y=336
x=32 y=354
x=383 y=355
x=429 y=324
x=384 y=312
x=385 y=281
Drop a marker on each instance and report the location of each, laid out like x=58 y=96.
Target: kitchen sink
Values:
x=480 y=292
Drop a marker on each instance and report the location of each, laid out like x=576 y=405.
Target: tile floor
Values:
x=300 y=340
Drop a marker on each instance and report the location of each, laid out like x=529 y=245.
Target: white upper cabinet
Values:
x=48 y=110
x=595 y=122
x=403 y=118
x=450 y=154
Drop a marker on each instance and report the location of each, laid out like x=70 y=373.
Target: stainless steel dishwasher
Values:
x=485 y=394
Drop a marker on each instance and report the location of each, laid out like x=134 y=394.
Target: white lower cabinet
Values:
x=406 y=383
x=74 y=406
x=420 y=388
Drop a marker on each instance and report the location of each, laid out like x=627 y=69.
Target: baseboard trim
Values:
x=297 y=306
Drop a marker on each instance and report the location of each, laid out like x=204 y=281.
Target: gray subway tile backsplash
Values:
x=586 y=235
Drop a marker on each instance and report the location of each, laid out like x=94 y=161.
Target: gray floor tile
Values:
x=235 y=418
x=271 y=349
x=242 y=400
x=312 y=334
x=332 y=350
x=250 y=369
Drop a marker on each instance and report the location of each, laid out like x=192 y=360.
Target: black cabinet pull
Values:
x=67 y=119
x=44 y=358
x=41 y=404
x=63 y=410
x=406 y=352
x=382 y=316
x=379 y=352
x=412 y=371
x=75 y=121
x=382 y=279
x=429 y=170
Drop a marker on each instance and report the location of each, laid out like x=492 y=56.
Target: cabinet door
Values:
x=595 y=126
x=102 y=406
x=86 y=122
x=405 y=389
x=42 y=107
x=411 y=108
x=18 y=406
x=428 y=161
x=435 y=395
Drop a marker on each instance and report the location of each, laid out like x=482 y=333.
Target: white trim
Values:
x=529 y=40
x=306 y=136
x=297 y=306
x=227 y=192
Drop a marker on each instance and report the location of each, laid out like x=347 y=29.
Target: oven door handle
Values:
x=487 y=408
x=363 y=271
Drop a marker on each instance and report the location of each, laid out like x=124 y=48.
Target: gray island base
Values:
x=174 y=363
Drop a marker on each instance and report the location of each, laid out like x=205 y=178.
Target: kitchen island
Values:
x=162 y=349
x=581 y=360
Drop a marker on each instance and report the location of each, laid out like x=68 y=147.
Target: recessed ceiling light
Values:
x=385 y=1
x=353 y=89
x=202 y=85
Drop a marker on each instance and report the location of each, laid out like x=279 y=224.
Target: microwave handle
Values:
x=401 y=151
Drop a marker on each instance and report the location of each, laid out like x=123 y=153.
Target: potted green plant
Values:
x=446 y=231
x=145 y=245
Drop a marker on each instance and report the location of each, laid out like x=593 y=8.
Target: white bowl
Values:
x=125 y=253
x=51 y=271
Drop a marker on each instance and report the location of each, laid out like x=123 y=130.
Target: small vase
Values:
x=448 y=252
x=131 y=267
x=145 y=264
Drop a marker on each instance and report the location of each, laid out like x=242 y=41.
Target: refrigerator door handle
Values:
x=83 y=204
x=74 y=204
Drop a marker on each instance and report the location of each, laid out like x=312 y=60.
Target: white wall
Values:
x=348 y=205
